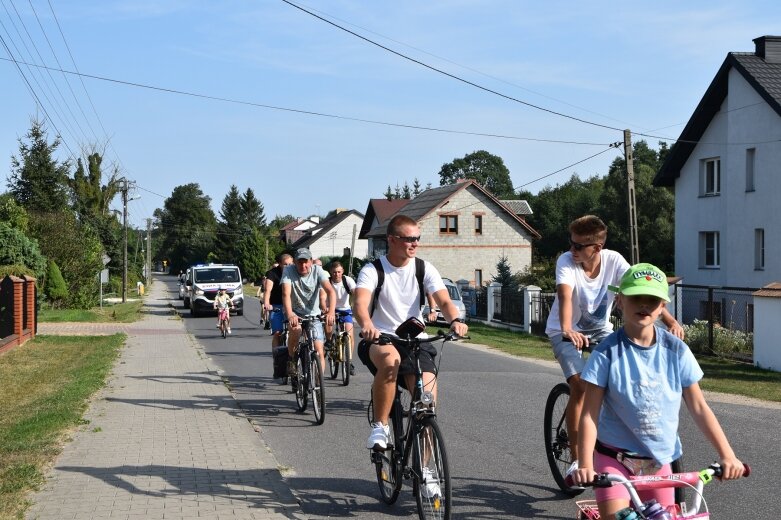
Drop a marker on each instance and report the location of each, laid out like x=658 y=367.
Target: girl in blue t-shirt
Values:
x=635 y=381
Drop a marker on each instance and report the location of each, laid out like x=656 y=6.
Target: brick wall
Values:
x=17 y=297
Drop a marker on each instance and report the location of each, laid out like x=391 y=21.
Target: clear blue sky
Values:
x=642 y=66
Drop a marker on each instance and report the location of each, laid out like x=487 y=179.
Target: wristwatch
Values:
x=457 y=320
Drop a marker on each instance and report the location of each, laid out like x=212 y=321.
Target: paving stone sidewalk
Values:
x=165 y=438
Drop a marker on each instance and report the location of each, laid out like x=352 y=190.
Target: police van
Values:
x=204 y=282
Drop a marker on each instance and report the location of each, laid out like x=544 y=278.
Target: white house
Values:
x=725 y=171
x=333 y=236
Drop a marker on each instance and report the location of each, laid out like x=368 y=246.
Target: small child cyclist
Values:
x=635 y=380
x=222 y=302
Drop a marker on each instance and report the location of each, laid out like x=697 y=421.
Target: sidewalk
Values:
x=165 y=438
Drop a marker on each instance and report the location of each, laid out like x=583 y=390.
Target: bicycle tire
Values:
x=333 y=358
x=428 y=440
x=346 y=346
x=388 y=463
x=318 y=388
x=676 y=466
x=557 y=445
x=302 y=386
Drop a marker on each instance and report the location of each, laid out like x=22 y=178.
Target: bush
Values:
x=17 y=249
x=726 y=342
x=55 y=288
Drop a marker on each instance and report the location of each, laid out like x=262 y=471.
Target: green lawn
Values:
x=120 y=313
x=46 y=385
x=720 y=375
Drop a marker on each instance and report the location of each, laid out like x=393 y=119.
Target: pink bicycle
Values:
x=695 y=480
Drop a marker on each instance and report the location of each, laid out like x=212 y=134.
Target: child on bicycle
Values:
x=222 y=302
x=635 y=380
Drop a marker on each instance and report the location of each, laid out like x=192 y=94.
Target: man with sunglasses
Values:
x=582 y=307
x=397 y=301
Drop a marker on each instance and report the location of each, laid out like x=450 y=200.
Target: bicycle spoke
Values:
x=432 y=473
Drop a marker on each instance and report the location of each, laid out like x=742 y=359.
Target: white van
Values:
x=206 y=280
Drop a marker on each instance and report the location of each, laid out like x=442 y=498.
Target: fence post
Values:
x=490 y=300
x=531 y=306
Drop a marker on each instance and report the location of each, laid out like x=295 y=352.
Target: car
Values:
x=204 y=282
x=455 y=296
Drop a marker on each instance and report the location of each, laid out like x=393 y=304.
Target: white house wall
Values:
x=747 y=121
x=458 y=256
x=333 y=241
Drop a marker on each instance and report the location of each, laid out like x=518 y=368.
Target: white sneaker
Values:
x=229 y=330
x=378 y=439
x=430 y=487
x=568 y=480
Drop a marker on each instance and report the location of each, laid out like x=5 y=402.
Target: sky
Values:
x=309 y=114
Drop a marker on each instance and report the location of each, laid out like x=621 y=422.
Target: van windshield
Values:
x=217 y=275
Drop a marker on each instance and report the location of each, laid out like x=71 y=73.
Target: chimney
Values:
x=768 y=48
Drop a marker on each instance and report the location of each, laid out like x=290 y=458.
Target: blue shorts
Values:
x=570 y=358
x=346 y=315
x=277 y=319
x=317 y=329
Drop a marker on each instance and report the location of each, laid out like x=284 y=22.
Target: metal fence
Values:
x=481 y=303
x=541 y=304
x=728 y=307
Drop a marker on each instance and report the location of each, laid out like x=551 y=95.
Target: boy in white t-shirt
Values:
x=582 y=307
x=344 y=286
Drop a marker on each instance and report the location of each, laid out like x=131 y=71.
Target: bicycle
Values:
x=695 y=480
x=340 y=351
x=223 y=317
x=414 y=434
x=309 y=375
x=557 y=443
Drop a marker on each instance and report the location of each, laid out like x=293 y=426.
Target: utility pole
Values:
x=634 y=247
x=124 y=225
x=352 y=251
x=149 y=252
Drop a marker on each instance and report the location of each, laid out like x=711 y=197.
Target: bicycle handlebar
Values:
x=387 y=339
x=604 y=480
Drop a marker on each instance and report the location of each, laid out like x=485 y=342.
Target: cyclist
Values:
x=398 y=300
x=301 y=284
x=223 y=302
x=272 y=300
x=635 y=381
x=344 y=287
x=582 y=307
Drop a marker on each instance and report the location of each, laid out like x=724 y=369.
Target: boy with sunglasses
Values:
x=582 y=307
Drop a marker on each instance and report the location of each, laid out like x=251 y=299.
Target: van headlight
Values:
x=237 y=292
x=199 y=292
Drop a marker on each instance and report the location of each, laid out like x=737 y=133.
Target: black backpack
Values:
x=420 y=272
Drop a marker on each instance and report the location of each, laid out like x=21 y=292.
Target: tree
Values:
x=13 y=214
x=252 y=210
x=388 y=193
x=16 y=248
x=487 y=169
x=250 y=254
x=230 y=227
x=38 y=182
x=504 y=274
x=187 y=225
x=416 y=188
x=55 y=288
x=90 y=196
x=406 y=193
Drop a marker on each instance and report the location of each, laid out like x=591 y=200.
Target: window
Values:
x=478 y=278
x=478 y=224
x=448 y=224
x=759 y=249
x=711 y=177
x=750 y=159
x=709 y=249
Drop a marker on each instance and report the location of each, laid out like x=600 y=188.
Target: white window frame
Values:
x=709 y=250
x=759 y=249
x=751 y=161
x=710 y=179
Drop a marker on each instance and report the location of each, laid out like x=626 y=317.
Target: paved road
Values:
x=491 y=412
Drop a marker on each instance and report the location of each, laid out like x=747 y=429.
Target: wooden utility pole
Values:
x=634 y=247
x=352 y=250
x=124 y=225
x=149 y=252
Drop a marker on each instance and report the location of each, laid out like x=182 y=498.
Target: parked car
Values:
x=455 y=296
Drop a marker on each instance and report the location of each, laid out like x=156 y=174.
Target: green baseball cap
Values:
x=643 y=279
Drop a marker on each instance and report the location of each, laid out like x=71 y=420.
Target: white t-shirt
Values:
x=399 y=297
x=342 y=296
x=592 y=302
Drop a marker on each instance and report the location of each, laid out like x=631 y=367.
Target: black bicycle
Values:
x=340 y=351
x=416 y=447
x=308 y=380
x=557 y=440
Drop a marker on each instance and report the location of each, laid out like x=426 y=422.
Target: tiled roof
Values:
x=311 y=235
x=772 y=290
x=764 y=77
x=519 y=207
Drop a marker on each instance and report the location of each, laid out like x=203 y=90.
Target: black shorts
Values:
x=427 y=354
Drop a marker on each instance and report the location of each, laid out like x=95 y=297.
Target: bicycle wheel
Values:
x=557 y=446
x=676 y=466
x=333 y=355
x=302 y=388
x=223 y=329
x=318 y=388
x=388 y=463
x=346 y=358
x=431 y=479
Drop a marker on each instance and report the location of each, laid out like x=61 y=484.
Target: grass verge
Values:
x=120 y=313
x=720 y=375
x=47 y=383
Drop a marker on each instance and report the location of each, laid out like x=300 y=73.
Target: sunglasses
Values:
x=579 y=247
x=408 y=240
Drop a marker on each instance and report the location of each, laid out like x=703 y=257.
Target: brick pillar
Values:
x=29 y=305
x=17 y=304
